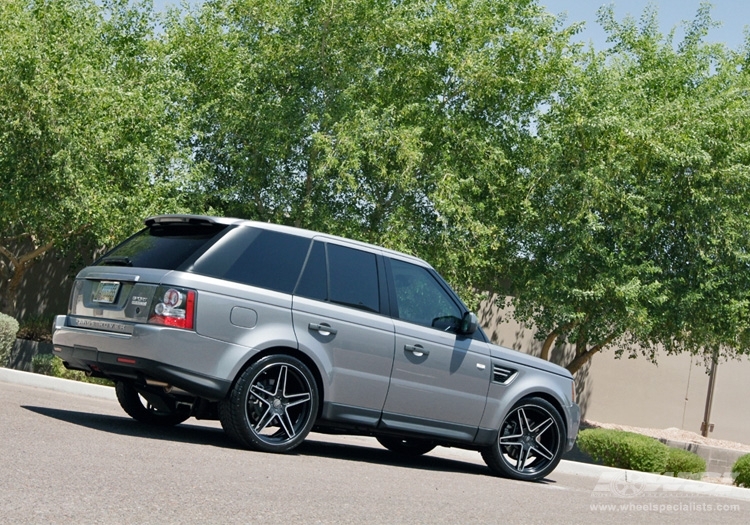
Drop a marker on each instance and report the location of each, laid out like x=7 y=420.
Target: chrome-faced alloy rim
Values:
x=278 y=403
x=529 y=439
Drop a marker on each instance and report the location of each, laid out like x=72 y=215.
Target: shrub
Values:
x=46 y=364
x=8 y=329
x=51 y=365
x=685 y=464
x=627 y=450
x=741 y=471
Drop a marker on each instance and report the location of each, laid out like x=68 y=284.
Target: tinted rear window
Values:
x=165 y=247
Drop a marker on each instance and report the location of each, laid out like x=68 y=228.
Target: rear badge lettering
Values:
x=139 y=301
x=96 y=324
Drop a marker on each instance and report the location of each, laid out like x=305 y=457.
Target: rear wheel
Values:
x=530 y=442
x=406 y=446
x=148 y=407
x=273 y=405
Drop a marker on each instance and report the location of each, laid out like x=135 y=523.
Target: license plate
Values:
x=106 y=292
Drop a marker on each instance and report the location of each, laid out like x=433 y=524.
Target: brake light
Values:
x=176 y=309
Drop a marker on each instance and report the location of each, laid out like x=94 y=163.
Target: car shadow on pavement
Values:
x=184 y=433
x=205 y=435
x=366 y=454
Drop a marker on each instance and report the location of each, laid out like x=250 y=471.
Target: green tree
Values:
x=379 y=120
x=87 y=131
x=633 y=233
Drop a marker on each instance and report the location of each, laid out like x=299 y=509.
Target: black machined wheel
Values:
x=273 y=405
x=530 y=442
x=140 y=408
x=406 y=446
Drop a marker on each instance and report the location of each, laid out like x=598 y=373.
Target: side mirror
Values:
x=469 y=323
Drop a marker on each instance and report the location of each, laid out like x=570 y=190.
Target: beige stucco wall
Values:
x=672 y=394
x=639 y=393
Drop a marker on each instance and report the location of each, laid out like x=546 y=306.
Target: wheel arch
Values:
x=292 y=352
x=501 y=402
x=551 y=400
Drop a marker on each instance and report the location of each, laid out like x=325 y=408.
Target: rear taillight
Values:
x=174 y=307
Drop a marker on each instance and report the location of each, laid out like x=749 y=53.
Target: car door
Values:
x=440 y=378
x=337 y=317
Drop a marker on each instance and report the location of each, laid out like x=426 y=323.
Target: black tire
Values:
x=273 y=405
x=141 y=409
x=406 y=446
x=530 y=441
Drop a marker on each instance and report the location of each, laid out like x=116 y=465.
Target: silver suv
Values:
x=276 y=331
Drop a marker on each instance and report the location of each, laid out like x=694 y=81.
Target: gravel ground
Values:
x=674 y=434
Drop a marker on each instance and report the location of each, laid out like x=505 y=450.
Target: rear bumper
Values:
x=174 y=357
x=141 y=370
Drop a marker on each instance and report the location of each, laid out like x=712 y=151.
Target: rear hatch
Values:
x=124 y=286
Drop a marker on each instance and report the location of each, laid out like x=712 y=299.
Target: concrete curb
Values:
x=19 y=377
x=650 y=483
x=607 y=476
x=611 y=478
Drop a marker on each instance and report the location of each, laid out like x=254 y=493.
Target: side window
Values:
x=314 y=281
x=353 y=278
x=421 y=299
x=257 y=257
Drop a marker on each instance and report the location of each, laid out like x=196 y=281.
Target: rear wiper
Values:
x=117 y=261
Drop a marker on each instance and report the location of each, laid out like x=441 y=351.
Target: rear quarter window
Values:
x=257 y=257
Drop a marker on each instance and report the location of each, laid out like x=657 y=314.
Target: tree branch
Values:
x=584 y=357
x=15 y=237
x=36 y=253
x=552 y=337
x=13 y=259
x=24 y=259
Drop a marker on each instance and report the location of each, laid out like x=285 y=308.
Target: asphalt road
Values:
x=70 y=458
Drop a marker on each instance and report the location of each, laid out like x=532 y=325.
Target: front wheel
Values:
x=153 y=411
x=406 y=446
x=530 y=442
x=273 y=405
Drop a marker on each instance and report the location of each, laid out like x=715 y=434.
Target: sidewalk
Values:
x=574 y=465
x=9 y=375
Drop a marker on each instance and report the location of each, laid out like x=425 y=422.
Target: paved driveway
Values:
x=70 y=458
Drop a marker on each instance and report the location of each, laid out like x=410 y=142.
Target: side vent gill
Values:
x=503 y=374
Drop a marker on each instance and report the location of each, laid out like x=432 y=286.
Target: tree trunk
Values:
x=18 y=267
x=581 y=360
x=551 y=338
x=8 y=305
x=583 y=357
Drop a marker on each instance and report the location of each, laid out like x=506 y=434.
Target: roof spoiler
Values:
x=186 y=219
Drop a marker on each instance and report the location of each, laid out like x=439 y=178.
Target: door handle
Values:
x=417 y=350
x=323 y=329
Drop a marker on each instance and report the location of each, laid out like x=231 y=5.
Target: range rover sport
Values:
x=276 y=331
